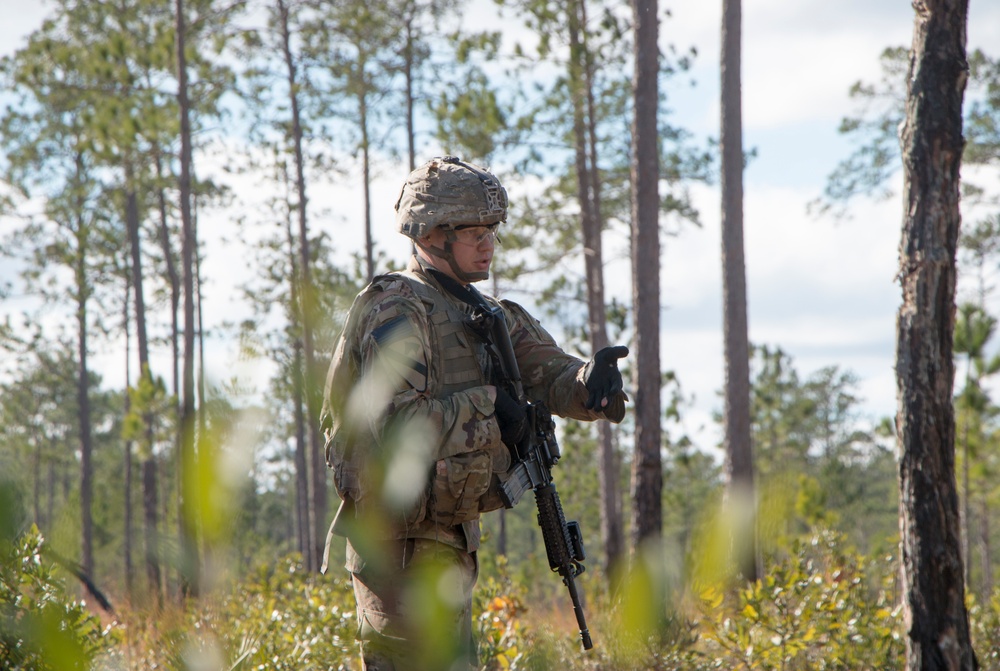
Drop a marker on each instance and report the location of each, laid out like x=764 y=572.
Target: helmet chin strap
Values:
x=447 y=253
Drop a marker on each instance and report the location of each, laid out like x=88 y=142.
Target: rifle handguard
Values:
x=532 y=470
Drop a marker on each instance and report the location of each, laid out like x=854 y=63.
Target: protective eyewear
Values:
x=476 y=235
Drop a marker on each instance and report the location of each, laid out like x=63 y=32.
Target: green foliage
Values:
x=470 y=118
x=984 y=620
x=149 y=404
x=821 y=607
x=816 y=458
x=278 y=617
x=41 y=627
x=982 y=123
x=499 y=631
x=283 y=618
x=874 y=129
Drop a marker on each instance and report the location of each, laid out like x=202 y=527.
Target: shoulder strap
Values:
x=464 y=292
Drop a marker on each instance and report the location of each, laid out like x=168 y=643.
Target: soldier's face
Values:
x=472 y=251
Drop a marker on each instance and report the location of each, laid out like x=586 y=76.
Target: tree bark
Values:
x=82 y=295
x=202 y=398
x=127 y=494
x=172 y=277
x=83 y=404
x=612 y=524
x=740 y=494
x=149 y=466
x=307 y=308
x=36 y=476
x=935 y=617
x=306 y=537
x=408 y=53
x=593 y=260
x=186 y=463
x=647 y=473
x=986 y=557
x=366 y=176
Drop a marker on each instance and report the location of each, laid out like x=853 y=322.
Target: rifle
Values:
x=533 y=460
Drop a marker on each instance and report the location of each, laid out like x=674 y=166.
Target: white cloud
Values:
x=823 y=291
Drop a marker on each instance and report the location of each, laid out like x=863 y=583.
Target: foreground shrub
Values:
x=822 y=607
x=41 y=627
x=985 y=623
x=498 y=628
x=283 y=618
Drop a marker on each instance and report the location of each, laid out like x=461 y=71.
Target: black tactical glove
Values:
x=604 y=381
x=511 y=417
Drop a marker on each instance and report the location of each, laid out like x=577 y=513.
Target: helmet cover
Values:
x=447 y=192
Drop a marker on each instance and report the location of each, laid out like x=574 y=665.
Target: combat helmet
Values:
x=445 y=192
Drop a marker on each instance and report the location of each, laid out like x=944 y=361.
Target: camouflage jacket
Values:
x=408 y=411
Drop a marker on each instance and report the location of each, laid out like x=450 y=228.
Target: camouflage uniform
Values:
x=414 y=443
x=411 y=423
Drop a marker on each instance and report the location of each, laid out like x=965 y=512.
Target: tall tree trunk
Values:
x=593 y=259
x=305 y=529
x=86 y=440
x=985 y=555
x=86 y=452
x=50 y=489
x=83 y=405
x=307 y=301
x=647 y=474
x=172 y=277
x=190 y=568
x=366 y=176
x=986 y=558
x=612 y=524
x=151 y=538
x=965 y=513
x=408 y=75
x=740 y=495
x=174 y=280
x=937 y=623
x=202 y=399
x=149 y=467
x=127 y=495
x=36 y=476
x=66 y=480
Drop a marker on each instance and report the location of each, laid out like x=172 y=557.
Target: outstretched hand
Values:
x=602 y=377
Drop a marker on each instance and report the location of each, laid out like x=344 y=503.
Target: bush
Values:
x=985 y=624
x=825 y=607
x=820 y=608
x=283 y=618
x=41 y=628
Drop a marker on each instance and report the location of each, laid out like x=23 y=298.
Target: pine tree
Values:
x=937 y=635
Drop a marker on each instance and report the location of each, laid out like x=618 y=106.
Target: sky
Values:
x=821 y=289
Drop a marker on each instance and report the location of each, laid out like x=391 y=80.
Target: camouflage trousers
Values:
x=414 y=605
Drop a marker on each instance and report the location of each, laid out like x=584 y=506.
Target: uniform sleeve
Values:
x=393 y=392
x=548 y=373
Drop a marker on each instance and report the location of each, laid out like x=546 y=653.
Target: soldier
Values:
x=416 y=432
